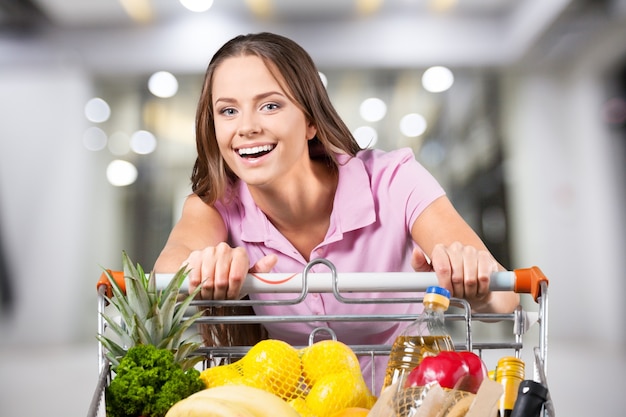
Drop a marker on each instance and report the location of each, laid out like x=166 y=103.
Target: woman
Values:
x=279 y=181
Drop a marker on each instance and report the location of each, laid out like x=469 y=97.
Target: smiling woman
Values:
x=280 y=180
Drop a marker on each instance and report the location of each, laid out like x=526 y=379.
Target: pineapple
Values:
x=150 y=316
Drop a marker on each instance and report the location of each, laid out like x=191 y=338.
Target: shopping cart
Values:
x=528 y=321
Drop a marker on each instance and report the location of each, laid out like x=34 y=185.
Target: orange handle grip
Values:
x=528 y=280
x=118 y=276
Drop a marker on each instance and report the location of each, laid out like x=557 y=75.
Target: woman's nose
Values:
x=248 y=125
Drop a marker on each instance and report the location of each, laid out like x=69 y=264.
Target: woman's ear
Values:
x=311 y=131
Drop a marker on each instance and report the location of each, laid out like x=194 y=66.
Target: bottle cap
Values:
x=437 y=295
x=433 y=289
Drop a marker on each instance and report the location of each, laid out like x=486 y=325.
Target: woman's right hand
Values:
x=221 y=270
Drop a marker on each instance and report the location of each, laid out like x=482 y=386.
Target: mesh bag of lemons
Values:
x=317 y=381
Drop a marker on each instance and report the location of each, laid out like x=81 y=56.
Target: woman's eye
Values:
x=227 y=112
x=271 y=106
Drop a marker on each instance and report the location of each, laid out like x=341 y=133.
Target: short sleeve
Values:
x=398 y=178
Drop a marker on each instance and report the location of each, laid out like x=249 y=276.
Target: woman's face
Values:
x=262 y=135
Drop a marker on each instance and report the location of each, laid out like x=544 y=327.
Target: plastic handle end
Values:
x=118 y=276
x=528 y=280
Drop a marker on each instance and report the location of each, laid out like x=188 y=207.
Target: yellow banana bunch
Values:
x=232 y=401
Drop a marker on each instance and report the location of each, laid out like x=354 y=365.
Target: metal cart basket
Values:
x=528 y=321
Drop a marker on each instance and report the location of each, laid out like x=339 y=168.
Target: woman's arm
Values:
x=198 y=240
x=199 y=226
x=459 y=257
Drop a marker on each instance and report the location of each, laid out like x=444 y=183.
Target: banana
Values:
x=259 y=402
x=207 y=407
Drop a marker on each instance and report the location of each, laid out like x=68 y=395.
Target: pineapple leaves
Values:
x=149 y=315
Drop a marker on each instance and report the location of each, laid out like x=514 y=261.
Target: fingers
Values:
x=420 y=262
x=464 y=270
x=220 y=271
x=265 y=264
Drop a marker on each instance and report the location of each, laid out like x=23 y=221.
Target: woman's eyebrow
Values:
x=257 y=97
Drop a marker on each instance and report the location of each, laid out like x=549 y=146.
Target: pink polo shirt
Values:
x=379 y=195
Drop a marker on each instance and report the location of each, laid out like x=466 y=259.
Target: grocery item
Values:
x=232 y=401
x=463 y=371
x=510 y=373
x=327 y=357
x=148 y=381
x=273 y=365
x=477 y=372
x=316 y=381
x=426 y=336
x=149 y=316
x=531 y=397
x=352 y=412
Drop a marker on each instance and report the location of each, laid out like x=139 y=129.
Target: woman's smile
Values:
x=254 y=152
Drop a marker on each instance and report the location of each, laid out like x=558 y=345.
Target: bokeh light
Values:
x=413 y=125
x=94 y=139
x=366 y=136
x=324 y=79
x=97 y=110
x=119 y=143
x=373 y=109
x=437 y=79
x=163 y=84
x=197 y=6
x=143 y=142
x=121 y=173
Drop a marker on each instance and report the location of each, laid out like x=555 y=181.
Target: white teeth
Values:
x=254 y=150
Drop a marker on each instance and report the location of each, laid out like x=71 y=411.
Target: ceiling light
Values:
x=260 y=8
x=94 y=139
x=367 y=7
x=323 y=78
x=163 y=84
x=437 y=79
x=119 y=143
x=121 y=173
x=366 y=136
x=97 y=110
x=143 y=142
x=373 y=109
x=413 y=125
x=138 y=10
x=197 y=6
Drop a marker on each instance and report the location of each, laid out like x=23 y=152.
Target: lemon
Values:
x=299 y=404
x=352 y=412
x=327 y=357
x=274 y=366
x=337 y=391
x=221 y=375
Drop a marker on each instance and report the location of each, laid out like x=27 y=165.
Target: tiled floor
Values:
x=59 y=381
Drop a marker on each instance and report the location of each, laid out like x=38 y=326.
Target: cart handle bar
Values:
x=522 y=281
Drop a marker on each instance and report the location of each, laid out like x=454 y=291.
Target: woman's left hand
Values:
x=462 y=269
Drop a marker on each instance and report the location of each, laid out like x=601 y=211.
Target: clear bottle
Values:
x=510 y=372
x=426 y=336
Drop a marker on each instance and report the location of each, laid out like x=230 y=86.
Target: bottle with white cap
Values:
x=426 y=336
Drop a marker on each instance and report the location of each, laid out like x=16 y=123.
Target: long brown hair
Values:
x=211 y=178
x=294 y=69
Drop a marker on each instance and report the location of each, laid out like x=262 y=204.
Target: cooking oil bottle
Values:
x=426 y=336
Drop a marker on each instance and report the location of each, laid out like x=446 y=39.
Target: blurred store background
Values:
x=525 y=127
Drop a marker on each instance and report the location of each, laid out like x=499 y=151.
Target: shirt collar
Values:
x=353 y=207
